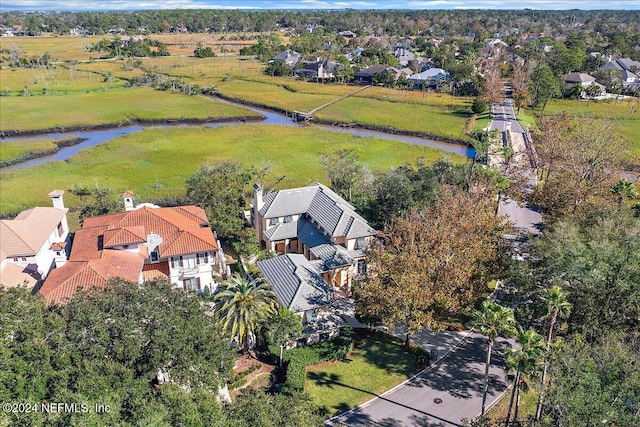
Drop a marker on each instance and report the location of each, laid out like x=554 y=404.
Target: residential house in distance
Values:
x=144 y=242
x=33 y=243
x=289 y=57
x=367 y=75
x=315 y=222
x=319 y=69
x=572 y=79
x=403 y=55
x=429 y=78
x=627 y=69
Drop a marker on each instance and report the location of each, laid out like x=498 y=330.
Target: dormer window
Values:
x=361 y=243
x=288 y=218
x=154 y=255
x=274 y=221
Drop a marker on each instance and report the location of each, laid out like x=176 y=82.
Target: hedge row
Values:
x=300 y=357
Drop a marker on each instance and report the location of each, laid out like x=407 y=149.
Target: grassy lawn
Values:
x=528 y=402
x=112 y=107
x=377 y=364
x=158 y=161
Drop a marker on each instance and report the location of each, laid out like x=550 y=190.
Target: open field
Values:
x=113 y=107
x=55 y=80
x=377 y=365
x=625 y=112
x=158 y=161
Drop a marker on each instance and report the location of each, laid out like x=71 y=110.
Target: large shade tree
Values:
x=432 y=263
x=241 y=305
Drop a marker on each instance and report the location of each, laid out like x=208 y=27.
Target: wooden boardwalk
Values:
x=301 y=116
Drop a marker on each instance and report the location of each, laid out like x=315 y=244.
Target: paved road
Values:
x=456 y=380
x=502 y=112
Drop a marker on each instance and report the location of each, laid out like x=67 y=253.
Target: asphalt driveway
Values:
x=441 y=396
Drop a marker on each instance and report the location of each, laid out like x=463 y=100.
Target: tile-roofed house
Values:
x=585 y=80
x=33 y=243
x=144 y=242
x=318 y=223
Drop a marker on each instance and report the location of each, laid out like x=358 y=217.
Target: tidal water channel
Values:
x=93 y=138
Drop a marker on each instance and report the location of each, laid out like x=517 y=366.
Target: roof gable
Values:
x=26 y=234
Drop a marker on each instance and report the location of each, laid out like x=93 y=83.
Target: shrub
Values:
x=299 y=358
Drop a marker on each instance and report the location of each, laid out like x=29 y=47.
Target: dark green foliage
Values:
x=480 y=105
x=301 y=357
x=117 y=48
x=106 y=348
x=259 y=409
x=203 y=52
x=223 y=190
x=595 y=382
x=278 y=68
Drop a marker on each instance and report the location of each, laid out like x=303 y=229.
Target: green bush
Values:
x=300 y=357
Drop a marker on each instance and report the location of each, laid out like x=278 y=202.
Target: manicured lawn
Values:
x=155 y=163
x=377 y=364
x=113 y=107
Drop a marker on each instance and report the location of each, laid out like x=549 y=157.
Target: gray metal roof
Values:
x=288 y=230
x=334 y=214
x=295 y=282
x=331 y=256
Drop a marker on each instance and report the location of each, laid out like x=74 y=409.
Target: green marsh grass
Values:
x=155 y=163
x=113 y=107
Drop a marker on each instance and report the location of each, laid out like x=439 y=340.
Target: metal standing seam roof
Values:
x=335 y=215
x=295 y=282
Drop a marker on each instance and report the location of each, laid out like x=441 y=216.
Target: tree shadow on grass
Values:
x=356 y=417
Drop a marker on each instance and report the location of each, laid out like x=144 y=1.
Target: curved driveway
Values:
x=456 y=380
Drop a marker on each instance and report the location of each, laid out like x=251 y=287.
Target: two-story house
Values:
x=143 y=242
x=316 y=222
x=33 y=243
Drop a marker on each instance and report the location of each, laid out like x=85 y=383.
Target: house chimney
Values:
x=56 y=198
x=128 y=200
x=258 y=202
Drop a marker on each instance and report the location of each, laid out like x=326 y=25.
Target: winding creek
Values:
x=97 y=137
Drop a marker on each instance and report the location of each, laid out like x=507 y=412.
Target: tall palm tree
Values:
x=241 y=304
x=525 y=359
x=492 y=320
x=557 y=307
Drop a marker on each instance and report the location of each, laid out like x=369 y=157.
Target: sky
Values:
x=94 y=5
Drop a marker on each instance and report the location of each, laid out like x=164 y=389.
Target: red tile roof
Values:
x=62 y=283
x=183 y=230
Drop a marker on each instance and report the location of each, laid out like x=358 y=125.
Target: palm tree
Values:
x=491 y=320
x=557 y=307
x=241 y=304
x=576 y=91
x=624 y=189
x=525 y=360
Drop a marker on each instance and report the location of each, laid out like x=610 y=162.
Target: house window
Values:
x=23 y=259
x=288 y=218
x=274 y=221
x=176 y=262
x=154 y=255
x=202 y=258
x=362 y=267
x=192 y=284
x=60 y=229
x=361 y=243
